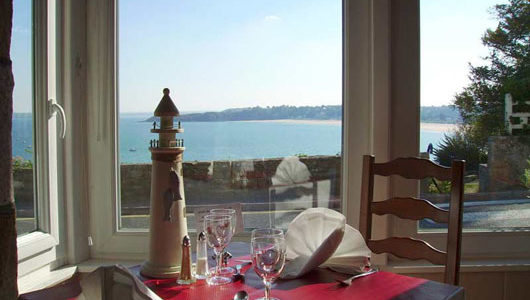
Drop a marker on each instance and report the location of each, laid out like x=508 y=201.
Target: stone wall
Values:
x=249 y=181
x=23 y=192
x=245 y=181
x=507 y=156
x=500 y=178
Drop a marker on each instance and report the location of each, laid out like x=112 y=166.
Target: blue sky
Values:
x=450 y=39
x=221 y=54
x=21 y=55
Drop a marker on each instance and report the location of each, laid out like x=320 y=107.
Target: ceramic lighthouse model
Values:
x=167 y=223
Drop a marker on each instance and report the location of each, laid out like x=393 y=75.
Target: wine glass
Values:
x=259 y=232
x=225 y=270
x=267 y=248
x=219 y=231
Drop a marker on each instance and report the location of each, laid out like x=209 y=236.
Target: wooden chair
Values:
x=415 y=209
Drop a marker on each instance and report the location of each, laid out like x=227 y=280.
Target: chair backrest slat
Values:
x=415 y=209
x=411 y=208
x=409 y=248
x=412 y=168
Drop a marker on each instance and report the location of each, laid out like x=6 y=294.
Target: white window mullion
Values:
x=102 y=139
x=40 y=83
x=52 y=119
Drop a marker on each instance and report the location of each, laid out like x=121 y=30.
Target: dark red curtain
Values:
x=8 y=233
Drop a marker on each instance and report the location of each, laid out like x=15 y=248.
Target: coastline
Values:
x=433 y=127
x=296 y=121
x=438 y=127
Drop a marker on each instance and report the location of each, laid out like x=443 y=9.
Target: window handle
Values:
x=54 y=107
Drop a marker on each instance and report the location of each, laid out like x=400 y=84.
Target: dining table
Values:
x=320 y=283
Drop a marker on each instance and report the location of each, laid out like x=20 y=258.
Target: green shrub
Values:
x=444 y=187
x=525 y=178
x=461 y=146
x=440 y=187
x=21 y=163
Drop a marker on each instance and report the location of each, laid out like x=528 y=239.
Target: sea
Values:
x=209 y=141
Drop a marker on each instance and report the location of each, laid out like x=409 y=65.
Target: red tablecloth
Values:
x=318 y=284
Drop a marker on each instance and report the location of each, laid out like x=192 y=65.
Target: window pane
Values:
x=22 y=130
x=258 y=86
x=469 y=67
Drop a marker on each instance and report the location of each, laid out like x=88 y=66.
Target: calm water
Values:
x=206 y=141
x=22 y=135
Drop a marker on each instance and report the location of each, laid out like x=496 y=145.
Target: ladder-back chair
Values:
x=415 y=209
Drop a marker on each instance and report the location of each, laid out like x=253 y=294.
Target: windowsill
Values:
x=34 y=242
x=43 y=278
x=491 y=265
x=92 y=264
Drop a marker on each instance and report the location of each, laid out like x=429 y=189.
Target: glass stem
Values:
x=219 y=261
x=222 y=259
x=267 y=289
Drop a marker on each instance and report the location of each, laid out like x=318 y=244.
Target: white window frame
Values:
x=108 y=241
x=378 y=75
x=476 y=244
x=43 y=247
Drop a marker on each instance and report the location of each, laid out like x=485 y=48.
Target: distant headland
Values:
x=429 y=114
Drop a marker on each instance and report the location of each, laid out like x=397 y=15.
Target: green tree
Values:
x=507 y=70
x=458 y=146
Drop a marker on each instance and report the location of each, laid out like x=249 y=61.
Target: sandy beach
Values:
x=324 y=122
x=438 y=127
x=435 y=127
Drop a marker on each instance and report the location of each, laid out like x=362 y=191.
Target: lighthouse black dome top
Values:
x=166 y=107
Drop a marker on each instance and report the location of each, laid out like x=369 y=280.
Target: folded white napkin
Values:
x=321 y=237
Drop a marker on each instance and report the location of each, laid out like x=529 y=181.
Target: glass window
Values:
x=258 y=87
x=474 y=97
x=23 y=117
